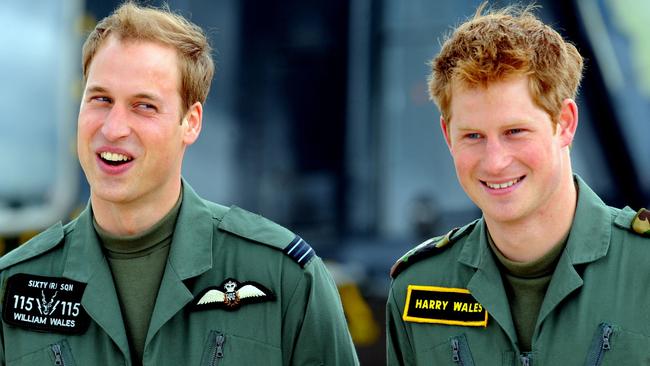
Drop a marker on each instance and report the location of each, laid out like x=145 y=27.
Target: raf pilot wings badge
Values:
x=232 y=294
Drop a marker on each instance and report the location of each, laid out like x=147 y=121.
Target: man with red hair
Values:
x=549 y=275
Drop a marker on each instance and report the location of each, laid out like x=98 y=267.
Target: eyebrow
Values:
x=515 y=123
x=459 y=128
x=151 y=97
x=465 y=129
x=101 y=89
x=96 y=89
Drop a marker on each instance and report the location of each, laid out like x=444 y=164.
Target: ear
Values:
x=567 y=122
x=191 y=123
x=444 y=126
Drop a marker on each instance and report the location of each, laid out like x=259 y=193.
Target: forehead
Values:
x=491 y=91
x=506 y=100
x=130 y=61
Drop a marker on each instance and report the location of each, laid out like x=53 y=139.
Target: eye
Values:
x=148 y=107
x=100 y=99
x=514 y=131
x=473 y=136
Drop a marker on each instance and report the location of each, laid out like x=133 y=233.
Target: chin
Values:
x=502 y=214
x=109 y=194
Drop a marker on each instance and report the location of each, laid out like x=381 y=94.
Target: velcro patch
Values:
x=46 y=304
x=443 y=305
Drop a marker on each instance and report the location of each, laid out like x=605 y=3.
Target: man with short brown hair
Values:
x=549 y=275
x=150 y=273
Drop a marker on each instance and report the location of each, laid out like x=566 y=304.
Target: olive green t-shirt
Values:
x=526 y=284
x=137 y=263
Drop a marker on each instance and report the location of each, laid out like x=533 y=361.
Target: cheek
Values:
x=155 y=136
x=161 y=141
x=83 y=129
x=536 y=155
x=84 y=135
x=464 y=160
x=87 y=124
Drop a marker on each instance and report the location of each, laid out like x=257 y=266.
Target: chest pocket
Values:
x=57 y=354
x=223 y=349
x=454 y=351
x=612 y=345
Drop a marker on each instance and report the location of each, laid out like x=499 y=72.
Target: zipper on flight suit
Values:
x=58 y=355
x=217 y=350
x=455 y=352
x=600 y=345
x=525 y=359
x=460 y=353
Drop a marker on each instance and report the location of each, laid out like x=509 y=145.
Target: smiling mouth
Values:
x=503 y=185
x=114 y=159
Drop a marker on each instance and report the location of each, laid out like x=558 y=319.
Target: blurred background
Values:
x=319 y=119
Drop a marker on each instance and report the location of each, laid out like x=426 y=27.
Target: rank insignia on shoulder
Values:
x=428 y=248
x=231 y=295
x=45 y=304
x=443 y=305
x=641 y=222
x=299 y=251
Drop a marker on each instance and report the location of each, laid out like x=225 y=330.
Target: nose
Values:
x=497 y=156
x=116 y=125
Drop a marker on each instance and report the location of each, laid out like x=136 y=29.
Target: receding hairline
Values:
x=134 y=22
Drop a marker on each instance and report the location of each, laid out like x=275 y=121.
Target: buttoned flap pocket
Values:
x=223 y=349
x=54 y=354
x=613 y=345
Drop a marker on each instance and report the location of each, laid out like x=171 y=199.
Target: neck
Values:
x=131 y=218
x=531 y=238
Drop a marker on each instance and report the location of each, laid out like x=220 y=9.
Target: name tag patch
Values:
x=46 y=304
x=443 y=305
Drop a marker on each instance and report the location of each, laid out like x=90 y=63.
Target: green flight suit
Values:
x=300 y=323
x=595 y=311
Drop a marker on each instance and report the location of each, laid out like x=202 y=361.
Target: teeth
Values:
x=106 y=155
x=502 y=185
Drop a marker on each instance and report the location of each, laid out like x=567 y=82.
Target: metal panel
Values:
x=38 y=100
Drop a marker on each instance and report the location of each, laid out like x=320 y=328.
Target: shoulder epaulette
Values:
x=218 y=211
x=36 y=246
x=261 y=230
x=299 y=251
x=641 y=222
x=428 y=248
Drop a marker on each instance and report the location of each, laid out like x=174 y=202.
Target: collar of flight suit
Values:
x=190 y=255
x=588 y=238
x=588 y=241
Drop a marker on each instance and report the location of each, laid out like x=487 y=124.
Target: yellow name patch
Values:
x=443 y=305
